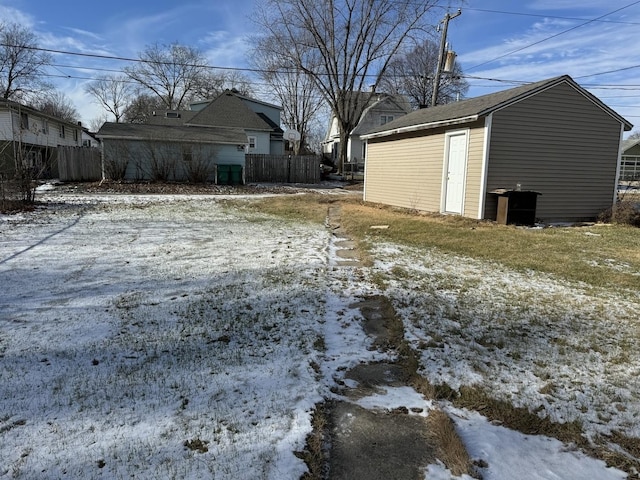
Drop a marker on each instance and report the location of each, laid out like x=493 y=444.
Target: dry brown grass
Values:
x=450 y=449
x=313 y=453
x=581 y=253
x=574 y=253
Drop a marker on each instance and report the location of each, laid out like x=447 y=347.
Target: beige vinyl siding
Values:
x=474 y=171
x=560 y=144
x=406 y=170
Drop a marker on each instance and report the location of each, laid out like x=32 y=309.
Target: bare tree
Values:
x=142 y=107
x=97 y=122
x=22 y=65
x=113 y=93
x=170 y=72
x=412 y=74
x=56 y=104
x=295 y=90
x=211 y=84
x=344 y=45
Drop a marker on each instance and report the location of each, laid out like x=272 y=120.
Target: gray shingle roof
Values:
x=473 y=108
x=173 y=133
x=160 y=117
x=230 y=111
x=629 y=143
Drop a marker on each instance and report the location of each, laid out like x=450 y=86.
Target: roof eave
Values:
x=422 y=126
x=173 y=140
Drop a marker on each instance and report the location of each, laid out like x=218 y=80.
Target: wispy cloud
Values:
x=13 y=15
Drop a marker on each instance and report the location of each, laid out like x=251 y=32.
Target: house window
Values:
x=252 y=142
x=172 y=115
x=61 y=131
x=364 y=150
x=75 y=135
x=24 y=121
x=86 y=143
x=45 y=127
x=187 y=154
x=385 y=119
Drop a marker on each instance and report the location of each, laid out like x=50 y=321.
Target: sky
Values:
x=499 y=43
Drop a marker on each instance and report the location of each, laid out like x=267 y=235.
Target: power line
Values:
x=556 y=17
x=607 y=72
x=554 y=36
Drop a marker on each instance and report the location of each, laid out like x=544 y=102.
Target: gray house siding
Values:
x=262 y=142
x=143 y=160
x=560 y=144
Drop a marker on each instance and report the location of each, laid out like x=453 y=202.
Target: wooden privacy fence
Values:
x=79 y=164
x=282 y=169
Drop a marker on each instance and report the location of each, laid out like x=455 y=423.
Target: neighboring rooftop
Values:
x=230 y=111
x=173 y=133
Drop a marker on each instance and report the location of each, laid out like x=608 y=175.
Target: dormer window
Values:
x=385 y=119
x=172 y=115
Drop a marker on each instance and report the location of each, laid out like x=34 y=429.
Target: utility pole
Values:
x=443 y=43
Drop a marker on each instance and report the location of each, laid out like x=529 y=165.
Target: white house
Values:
x=31 y=136
x=382 y=108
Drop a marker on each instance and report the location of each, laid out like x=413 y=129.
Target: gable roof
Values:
x=382 y=102
x=629 y=143
x=160 y=117
x=228 y=110
x=11 y=105
x=173 y=133
x=474 y=108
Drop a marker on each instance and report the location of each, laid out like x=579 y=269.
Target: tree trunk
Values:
x=344 y=143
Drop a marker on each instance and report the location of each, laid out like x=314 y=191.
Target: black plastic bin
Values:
x=516 y=206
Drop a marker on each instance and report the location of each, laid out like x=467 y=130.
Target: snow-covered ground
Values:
x=169 y=337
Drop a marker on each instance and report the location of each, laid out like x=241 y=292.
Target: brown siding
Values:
x=406 y=170
x=560 y=144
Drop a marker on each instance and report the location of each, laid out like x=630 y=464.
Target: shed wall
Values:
x=406 y=170
x=560 y=144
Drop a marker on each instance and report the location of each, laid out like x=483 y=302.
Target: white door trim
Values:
x=445 y=171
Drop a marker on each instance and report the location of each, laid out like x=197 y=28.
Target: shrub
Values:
x=624 y=212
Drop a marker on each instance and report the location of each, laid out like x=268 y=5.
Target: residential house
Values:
x=134 y=151
x=261 y=120
x=221 y=131
x=381 y=109
x=630 y=163
x=552 y=137
x=33 y=137
x=89 y=139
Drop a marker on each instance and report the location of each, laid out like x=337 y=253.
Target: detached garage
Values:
x=551 y=137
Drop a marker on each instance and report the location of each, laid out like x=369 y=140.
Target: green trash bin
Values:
x=236 y=174
x=223 y=172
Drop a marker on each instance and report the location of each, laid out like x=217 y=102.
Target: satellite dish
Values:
x=291 y=135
